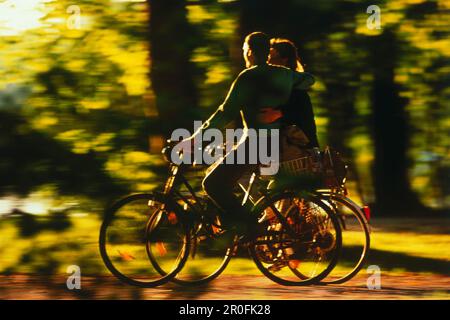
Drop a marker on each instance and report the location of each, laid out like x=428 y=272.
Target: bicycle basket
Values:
x=301 y=173
x=298 y=166
x=330 y=167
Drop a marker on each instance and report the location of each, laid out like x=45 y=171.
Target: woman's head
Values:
x=284 y=53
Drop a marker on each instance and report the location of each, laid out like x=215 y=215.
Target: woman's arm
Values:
x=303 y=80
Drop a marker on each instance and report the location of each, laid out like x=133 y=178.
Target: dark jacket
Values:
x=298 y=111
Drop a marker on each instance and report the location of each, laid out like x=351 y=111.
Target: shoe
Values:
x=252 y=231
x=258 y=229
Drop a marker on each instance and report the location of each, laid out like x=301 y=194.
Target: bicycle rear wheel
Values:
x=355 y=238
x=303 y=246
x=125 y=235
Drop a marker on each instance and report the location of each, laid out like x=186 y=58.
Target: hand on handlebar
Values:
x=178 y=149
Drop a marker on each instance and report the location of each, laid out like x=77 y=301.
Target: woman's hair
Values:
x=287 y=50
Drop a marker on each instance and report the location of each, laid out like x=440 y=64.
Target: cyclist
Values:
x=258 y=87
x=298 y=111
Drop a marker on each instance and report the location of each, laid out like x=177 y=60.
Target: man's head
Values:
x=256 y=48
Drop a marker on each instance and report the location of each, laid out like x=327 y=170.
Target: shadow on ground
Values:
x=388 y=260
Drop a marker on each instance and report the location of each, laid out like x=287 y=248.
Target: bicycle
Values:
x=194 y=219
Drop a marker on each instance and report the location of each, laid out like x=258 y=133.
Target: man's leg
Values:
x=219 y=185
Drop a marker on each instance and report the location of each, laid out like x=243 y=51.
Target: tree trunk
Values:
x=171 y=43
x=393 y=192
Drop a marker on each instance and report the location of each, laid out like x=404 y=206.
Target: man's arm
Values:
x=229 y=109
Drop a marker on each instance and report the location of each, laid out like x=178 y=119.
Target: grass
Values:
x=52 y=251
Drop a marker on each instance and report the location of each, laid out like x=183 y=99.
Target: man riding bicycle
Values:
x=255 y=90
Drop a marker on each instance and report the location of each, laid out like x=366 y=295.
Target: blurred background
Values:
x=90 y=90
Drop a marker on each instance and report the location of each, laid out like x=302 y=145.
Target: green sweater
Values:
x=255 y=88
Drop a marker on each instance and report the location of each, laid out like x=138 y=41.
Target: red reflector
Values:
x=366 y=210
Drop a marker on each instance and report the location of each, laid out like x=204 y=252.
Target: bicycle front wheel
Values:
x=134 y=224
x=302 y=242
x=211 y=249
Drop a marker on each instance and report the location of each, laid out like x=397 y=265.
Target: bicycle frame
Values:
x=177 y=178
